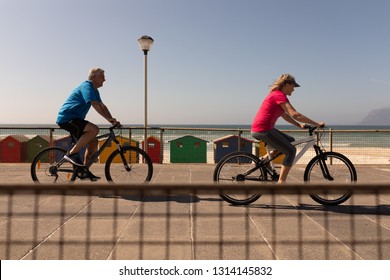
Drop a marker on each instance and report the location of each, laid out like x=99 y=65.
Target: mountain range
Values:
x=377 y=117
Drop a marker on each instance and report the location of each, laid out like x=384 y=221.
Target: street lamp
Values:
x=145 y=43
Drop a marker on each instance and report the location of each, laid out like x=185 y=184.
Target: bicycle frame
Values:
x=310 y=142
x=110 y=137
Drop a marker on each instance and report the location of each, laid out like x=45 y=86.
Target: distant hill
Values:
x=377 y=117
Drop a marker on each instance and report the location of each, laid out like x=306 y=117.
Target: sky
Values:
x=212 y=61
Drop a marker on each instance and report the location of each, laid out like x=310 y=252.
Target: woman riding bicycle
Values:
x=276 y=105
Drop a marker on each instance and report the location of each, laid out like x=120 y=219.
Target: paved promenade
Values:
x=198 y=226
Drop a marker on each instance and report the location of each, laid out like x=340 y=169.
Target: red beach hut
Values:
x=14 y=148
x=154 y=149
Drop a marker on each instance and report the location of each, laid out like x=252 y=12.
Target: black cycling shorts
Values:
x=75 y=127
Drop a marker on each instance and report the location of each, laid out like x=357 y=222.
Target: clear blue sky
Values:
x=211 y=63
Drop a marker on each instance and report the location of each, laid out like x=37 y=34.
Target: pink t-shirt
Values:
x=269 y=111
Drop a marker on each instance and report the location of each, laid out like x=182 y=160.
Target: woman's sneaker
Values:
x=74 y=159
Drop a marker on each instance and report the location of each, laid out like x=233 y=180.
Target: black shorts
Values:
x=75 y=127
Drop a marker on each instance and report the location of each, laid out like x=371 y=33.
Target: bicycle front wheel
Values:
x=239 y=168
x=341 y=170
x=129 y=165
x=48 y=166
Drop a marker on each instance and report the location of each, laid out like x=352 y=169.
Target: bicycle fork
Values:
x=125 y=164
x=323 y=164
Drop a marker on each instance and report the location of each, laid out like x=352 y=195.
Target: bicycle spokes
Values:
x=49 y=167
x=129 y=165
x=330 y=168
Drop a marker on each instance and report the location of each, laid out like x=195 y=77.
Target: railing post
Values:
x=130 y=135
x=51 y=137
x=161 y=145
x=239 y=141
x=331 y=144
x=330 y=140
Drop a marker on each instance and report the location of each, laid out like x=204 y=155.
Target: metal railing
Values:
x=161 y=221
x=198 y=145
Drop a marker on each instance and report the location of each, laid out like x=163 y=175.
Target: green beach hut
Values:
x=188 y=149
x=37 y=144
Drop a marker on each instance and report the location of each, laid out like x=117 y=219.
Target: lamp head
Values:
x=145 y=43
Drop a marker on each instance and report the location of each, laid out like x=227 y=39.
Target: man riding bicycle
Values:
x=71 y=117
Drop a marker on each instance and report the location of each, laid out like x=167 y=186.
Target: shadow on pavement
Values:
x=344 y=209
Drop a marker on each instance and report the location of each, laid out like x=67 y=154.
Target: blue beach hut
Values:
x=229 y=144
x=66 y=143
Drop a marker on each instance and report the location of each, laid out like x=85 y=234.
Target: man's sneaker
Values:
x=92 y=177
x=74 y=159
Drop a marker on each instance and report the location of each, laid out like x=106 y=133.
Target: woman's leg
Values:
x=283 y=174
x=281 y=142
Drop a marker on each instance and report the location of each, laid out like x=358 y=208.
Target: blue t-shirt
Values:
x=78 y=103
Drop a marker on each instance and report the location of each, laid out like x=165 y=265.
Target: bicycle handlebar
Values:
x=311 y=128
x=118 y=125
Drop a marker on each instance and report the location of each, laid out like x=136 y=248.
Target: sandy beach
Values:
x=366 y=155
x=356 y=155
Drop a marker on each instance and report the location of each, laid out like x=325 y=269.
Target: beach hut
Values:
x=35 y=145
x=261 y=151
x=154 y=149
x=188 y=149
x=66 y=143
x=112 y=147
x=229 y=144
x=14 y=148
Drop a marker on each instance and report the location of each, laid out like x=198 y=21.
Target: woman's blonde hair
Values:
x=282 y=81
x=93 y=72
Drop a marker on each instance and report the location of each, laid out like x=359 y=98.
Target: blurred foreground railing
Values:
x=188 y=221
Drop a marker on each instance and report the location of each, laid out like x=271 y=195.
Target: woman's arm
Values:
x=289 y=119
x=294 y=115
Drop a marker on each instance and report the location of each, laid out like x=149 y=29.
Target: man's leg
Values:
x=88 y=137
x=91 y=150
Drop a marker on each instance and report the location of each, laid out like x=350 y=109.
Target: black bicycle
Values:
x=127 y=164
x=325 y=167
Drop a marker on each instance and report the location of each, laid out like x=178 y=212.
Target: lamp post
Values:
x=145 y=43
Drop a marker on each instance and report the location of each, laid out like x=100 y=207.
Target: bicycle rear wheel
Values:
x=130 y=165
x=341 y=170
x=239 y=168
x=48 y=167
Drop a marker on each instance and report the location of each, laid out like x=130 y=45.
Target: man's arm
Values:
x=103 y=111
